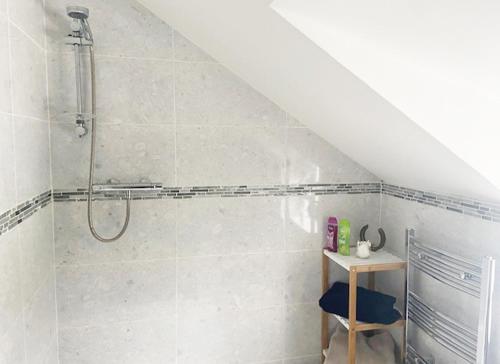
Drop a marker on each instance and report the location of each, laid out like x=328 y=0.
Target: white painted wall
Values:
x=437 y=62
x=256 y=43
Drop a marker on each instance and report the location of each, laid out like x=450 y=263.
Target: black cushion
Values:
x=371 y=306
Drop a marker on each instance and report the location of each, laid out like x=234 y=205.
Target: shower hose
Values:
x=92 y=165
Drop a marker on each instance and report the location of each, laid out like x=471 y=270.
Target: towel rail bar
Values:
x=465 y=275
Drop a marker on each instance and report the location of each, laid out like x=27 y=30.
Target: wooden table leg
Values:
x=353 y=284
x=324 y=316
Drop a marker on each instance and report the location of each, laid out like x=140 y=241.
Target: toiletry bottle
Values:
x=332 y=234
x=344 y=237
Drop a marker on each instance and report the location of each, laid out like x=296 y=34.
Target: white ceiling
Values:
x=339 y=72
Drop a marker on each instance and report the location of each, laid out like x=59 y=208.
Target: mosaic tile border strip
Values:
x=489 y=211
x=224 y=191
x=13 y=217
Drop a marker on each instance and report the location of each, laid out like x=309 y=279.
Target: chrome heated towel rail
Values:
x=465 y=275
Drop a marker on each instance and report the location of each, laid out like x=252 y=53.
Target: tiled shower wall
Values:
x=27 y=290
x=206 y=280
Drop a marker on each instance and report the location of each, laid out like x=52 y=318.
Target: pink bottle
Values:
x=332 y=234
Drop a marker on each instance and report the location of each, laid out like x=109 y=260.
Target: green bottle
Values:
x=344 y=237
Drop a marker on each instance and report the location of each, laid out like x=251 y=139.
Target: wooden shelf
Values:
x=367 y=326
x=377 y=262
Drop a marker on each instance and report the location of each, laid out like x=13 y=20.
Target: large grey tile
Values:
x=29 y=81
x=303 y=277
x=140 y=342
x=52 y=355
x=40 y=321
x=62 y=86
x=207 y=93
x=243 y=281
x=307 y=217
x=229 y=156
x=11 y=299
x=224 y=226
x=115 y=292
x=8 y=169
x=12 y=344
x=37 y=252
x=29 y=16
x=120 y=27
x=5 y=83
x=230 y=335
x=134 y=90
x=185 y=50
x=311 y=159
x=302 y=330
x=128 y=90
x=126 y=153
x=32 y=157
x=150 y=234
x=312 y=359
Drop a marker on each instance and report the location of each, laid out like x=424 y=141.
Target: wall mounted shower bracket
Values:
x=78 y=40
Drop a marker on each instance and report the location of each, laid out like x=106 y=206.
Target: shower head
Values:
x=80 y=25
x=77 y=12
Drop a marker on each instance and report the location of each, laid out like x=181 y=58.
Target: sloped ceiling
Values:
x=306 y=78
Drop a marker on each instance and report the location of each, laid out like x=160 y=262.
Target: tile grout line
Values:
x=56 y=313
x=176 y=261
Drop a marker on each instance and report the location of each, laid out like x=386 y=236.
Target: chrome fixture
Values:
x=474 y=278
x=81 y=36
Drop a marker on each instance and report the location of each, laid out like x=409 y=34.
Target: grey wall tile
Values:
x=62 y=86
x=37 y=252
x=29 y=81
x=185 y=50
x=224 y=226
x=310 y=159
x=302 y=330
x=313 y=359
x=139 y=342
x=11 y=299
x=303 y=276
x=150 y=234
x=120 y=27
x=40 y=321
x=115 y=292
x=229 y=335
x=5 y=84
x=208 y=94
x=149 y=100
x=8 y=170
x=129 y=90
x=307 y=217
x=127 y=153
x=229 y=156
x=32 y=157
x=29 y=16
x=247 y=281
x=12 y=344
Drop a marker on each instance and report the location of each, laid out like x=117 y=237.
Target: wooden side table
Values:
x=378 y=261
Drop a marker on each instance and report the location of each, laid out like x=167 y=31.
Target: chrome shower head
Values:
x=77 y=12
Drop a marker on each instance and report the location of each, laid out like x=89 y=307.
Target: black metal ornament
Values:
x=381 y=232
